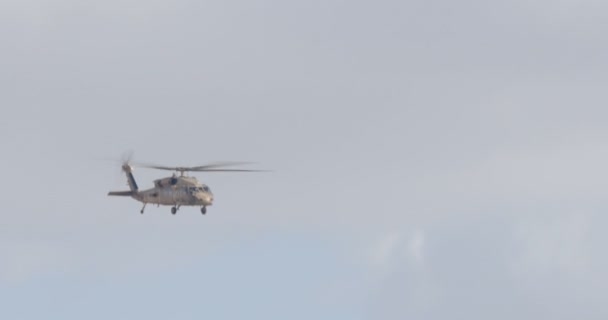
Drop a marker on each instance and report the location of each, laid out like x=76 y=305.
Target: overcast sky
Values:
x=431 y=159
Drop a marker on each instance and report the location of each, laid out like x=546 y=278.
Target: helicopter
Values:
x=177 y=190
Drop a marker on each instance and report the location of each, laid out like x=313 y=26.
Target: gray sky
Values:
x=431 y=159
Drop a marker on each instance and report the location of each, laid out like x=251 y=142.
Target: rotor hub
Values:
x=127 y=168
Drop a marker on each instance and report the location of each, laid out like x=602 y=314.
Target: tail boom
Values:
x=121 y=193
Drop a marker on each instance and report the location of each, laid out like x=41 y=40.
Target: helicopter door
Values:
x=166 y=196
x=175 y=194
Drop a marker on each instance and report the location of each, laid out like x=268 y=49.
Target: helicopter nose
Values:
x=206 y=199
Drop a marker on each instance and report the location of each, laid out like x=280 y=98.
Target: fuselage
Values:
x=171 y=191
x=180 y=191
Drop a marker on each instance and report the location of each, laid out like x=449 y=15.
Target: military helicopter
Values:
x=175 y=191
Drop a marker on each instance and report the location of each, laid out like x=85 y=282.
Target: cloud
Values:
x=549 y=245
x=497 y=265
x=384 y=251
x=415 y=247
x=568 y=12
x=476 y=122
x=393 y=248
x=519 y=176
x=25 y=261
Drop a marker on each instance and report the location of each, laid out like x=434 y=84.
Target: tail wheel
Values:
x=173 y=210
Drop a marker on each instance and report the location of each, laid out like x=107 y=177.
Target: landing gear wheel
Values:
x=173 y=210
x=204 y=210
x=142 y=211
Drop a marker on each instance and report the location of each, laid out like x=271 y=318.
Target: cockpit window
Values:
x=206 y=189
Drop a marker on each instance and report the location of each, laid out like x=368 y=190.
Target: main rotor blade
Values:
x=226 y=170
x=213 y=167
x=221 y=164
x=153 y=166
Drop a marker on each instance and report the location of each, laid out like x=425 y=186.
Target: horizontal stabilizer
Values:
x=121 y=193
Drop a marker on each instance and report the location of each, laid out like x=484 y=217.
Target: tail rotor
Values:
x=128 y=170
x=126 y=161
